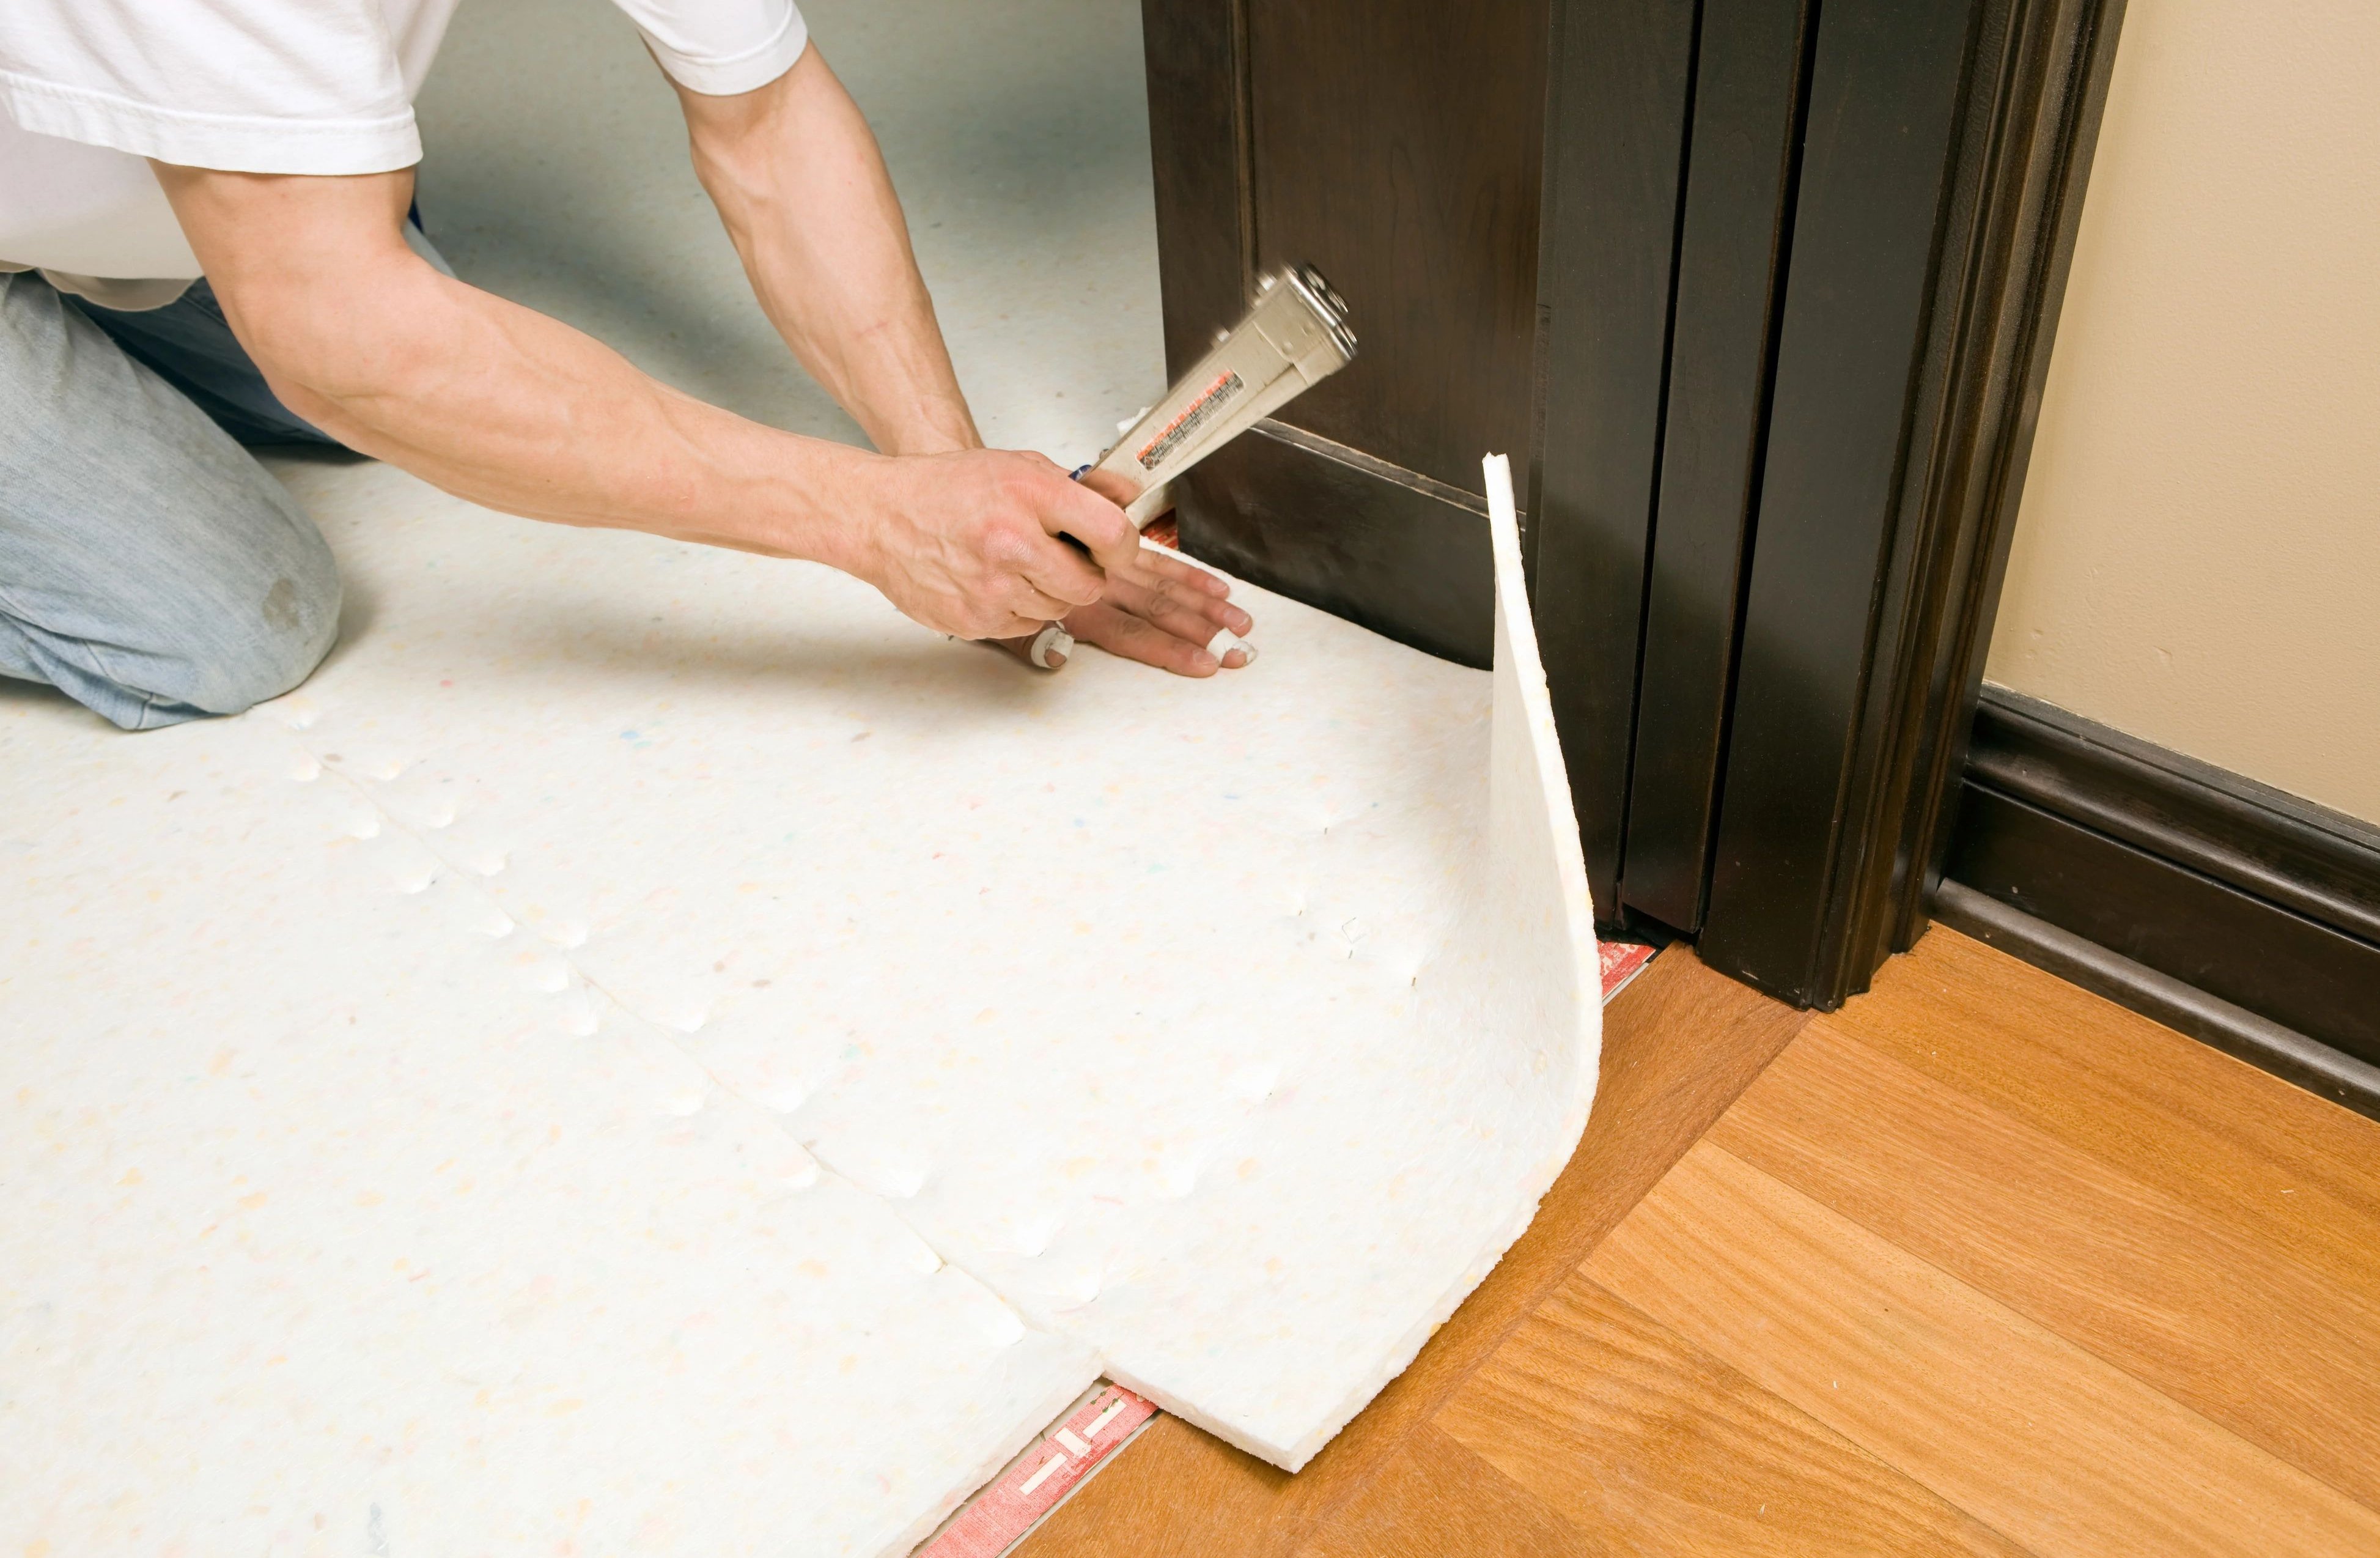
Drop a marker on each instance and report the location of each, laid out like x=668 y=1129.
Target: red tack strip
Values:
x=1621 y=961
x=1032 y=1486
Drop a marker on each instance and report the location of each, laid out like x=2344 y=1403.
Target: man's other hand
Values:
x=1163 y=612
x=1159 y=609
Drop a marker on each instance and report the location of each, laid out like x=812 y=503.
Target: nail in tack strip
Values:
x=1039 y=1480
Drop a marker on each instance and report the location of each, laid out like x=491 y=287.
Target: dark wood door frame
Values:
x=1875 y=205
x=1773 y=330
x=1941 y=189
x=1735 y=226
x=1617 y=106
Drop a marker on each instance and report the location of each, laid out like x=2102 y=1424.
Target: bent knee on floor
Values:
x=149 y=566
x=256 y=637
x=212 y=620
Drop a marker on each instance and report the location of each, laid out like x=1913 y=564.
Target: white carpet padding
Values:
x=649 y=1047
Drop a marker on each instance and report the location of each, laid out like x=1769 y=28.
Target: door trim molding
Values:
x=1617 y=80
x=1872 y=599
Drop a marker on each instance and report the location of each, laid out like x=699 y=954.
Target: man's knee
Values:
x=149 y=566
x=256 y=628
x=241 y=611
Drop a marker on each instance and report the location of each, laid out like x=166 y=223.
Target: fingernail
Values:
x=1201 y=662
x=1249 y=650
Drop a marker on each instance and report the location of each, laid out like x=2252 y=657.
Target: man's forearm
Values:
x=486 y=399
x=800 y=184
x=516 y=411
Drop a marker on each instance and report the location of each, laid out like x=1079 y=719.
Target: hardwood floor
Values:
x=1979 y=1264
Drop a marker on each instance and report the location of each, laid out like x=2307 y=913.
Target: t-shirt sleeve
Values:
x=252 y=86
x=721 y=47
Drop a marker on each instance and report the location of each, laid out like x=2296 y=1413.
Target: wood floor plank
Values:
x=1435 y=1500
x=1678 y=1044
x=2206 y=1313
x=1631 y=1435
x=1173 y=1493
x=2024 y=1430
x=2194 y=1122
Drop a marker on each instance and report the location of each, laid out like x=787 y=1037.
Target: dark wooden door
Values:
x=1394 y=144
x=1761 y=290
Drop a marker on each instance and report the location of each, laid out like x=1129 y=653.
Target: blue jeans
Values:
x=150 y=568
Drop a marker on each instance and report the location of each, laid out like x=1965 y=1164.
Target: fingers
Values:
x=1022 y=645
x=1055 y=509
x=1056 y=572
x=1028 y=580
x=1072 y=509
x=1121 y=633
x=1163 y=562
x=1113 y=488
x=1184 y=607
x=1034 y=605
x=1025 y=575
x=1160 y=565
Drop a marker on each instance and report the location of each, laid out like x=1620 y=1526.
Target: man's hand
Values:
x=969 y=543
x=1155 y=608
x=1163 y=612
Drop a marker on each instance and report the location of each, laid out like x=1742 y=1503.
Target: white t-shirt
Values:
x=91 y=88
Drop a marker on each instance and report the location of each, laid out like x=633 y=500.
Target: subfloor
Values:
x=1979 y=1264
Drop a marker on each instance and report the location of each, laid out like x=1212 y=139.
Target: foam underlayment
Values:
x=650 y=1049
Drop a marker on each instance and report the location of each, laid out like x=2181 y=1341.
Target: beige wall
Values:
x=2197 y=558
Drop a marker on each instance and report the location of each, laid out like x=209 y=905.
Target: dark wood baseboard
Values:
x=2265 y=908
x=1405 y=555
x=2285 y=1052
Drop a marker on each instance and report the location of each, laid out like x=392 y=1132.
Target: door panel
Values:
x=1394 y=145
x=1396 y=148
x=1199 y=154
